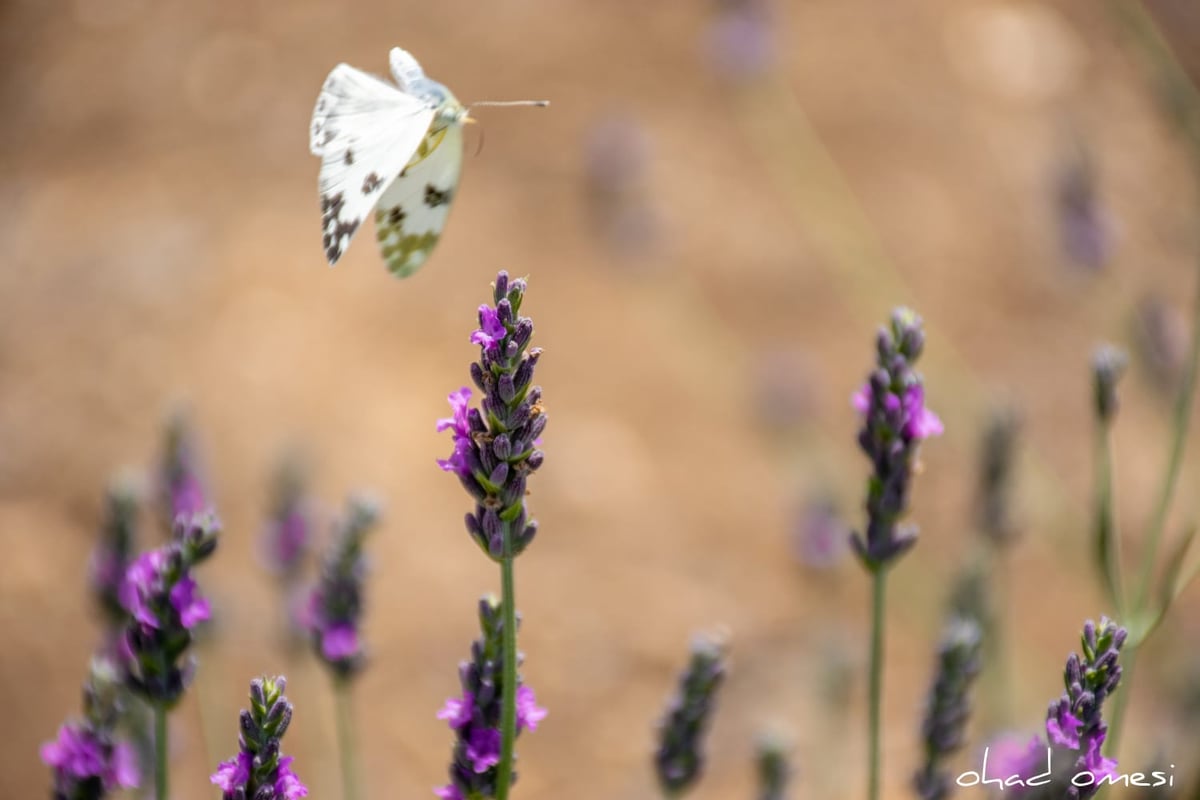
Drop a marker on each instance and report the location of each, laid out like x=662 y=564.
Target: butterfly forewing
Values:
x=365 y=130
x=412 y=211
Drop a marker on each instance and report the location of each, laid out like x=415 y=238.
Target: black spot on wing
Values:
x=337 y=230
x=395 y=216
x=435 y=197
x=372 y=183
x=349 y=157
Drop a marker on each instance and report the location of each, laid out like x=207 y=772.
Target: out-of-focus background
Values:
x=719 y=207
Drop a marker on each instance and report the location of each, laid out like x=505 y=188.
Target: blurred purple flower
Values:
x=1161 y=337
x=821 y=536
x=483 y=749
x=448 y=792
x=78 y=755
x=339 y=642
x=458 y=712
x=616 y=154
x=1085 y=229
x=740 y=42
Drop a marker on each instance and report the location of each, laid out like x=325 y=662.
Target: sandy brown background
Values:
x=161 y=247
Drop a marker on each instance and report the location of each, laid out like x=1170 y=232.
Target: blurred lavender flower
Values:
x=260 y=771
x=679 y=759
x=475 y=715
x=1108 y=365
x=335 y=608
x=895 y=422
x=288 y=534
x=616 y=152
x=180 y=487
x=164 y=606
x=1085 y=229
x=496 y=445
x=993 y=504
x=87 y=760
x=114 y=550
x=1161 y=336
x=774 y=767
x=821 y=535
x=948 y=707
x=740 y=44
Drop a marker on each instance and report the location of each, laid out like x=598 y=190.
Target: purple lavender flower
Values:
x=475 y=718
x=948 y=707
x=993 y=505
x=496 y=445
x=616 y=153
x=679 y=759
x=114 y=550
x=260 y=770
x=1108 y=365
x=1085 y=228
x=87 y=760
x=288 y=533
x=1160 y=333
x=895 y=422
x=164 y=607
x=182 y=491
x=336 y=603
x=740 y=41
x=820 y=535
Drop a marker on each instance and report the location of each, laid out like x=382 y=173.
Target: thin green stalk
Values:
x=508 y=713
x=345 y=737
x=1107 y=541
x=160 y=751
x=878 y=625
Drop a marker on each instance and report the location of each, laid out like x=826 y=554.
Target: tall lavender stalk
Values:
x=894 y=423
x=260 y=771
x=495 y=451
x=164 y=605
x=948 y=707
x=333 y=618
x=679 y=759
x=475 y=716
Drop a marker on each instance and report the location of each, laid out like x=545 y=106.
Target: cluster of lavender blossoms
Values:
x=87 y=760
x=164 y=606
x=335 y=607
x=1073 y=722
x=679 y=759
x=475 y=716
x=948 y=707
x=895 y=422
x=496 y=445
x=260 y=771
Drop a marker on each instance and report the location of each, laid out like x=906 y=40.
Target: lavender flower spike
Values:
x=87 y=760
x=164 y=606
x=774 y=767
x=1074 y=724
x=288 y=533
x=475 y=715
x=260 y=771
x=948 y=707
x=895 y=422
x=181 y=489
x=335 y=607
x=679 y=759
x=496 y=446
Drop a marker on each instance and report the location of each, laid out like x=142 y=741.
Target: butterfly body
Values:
x=394 y=149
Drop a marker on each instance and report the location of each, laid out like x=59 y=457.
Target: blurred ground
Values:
x=161 y=247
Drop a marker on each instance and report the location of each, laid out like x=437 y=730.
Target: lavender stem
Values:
x=878 y=631
x=508 y=711
x=160 y=751
x=345 y=738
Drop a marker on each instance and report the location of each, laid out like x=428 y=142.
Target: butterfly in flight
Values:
x=396 y=149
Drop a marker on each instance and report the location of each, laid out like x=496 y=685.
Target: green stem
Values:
x=345 y=737
x=160 y=751
x=508 y=713
x=878 y=624
x=1128 y=662
x=1107 y=542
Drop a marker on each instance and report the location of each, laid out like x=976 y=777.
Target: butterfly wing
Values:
x=365 y=130
x=413 y=209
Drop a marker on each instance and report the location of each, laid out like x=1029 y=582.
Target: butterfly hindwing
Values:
x=365 y=130
x=412 y=212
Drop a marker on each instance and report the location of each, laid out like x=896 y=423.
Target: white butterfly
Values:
x=396 y=149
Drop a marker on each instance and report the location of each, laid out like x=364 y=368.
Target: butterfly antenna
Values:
x=511 y=103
